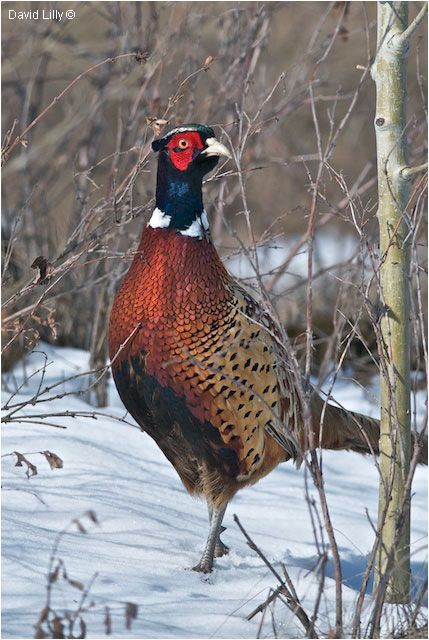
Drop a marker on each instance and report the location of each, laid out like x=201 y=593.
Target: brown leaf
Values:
x=76 y=584
x=52 y=323
x=208 y=61
x=107 y=621
x=43 y=615
x=54 y=461
x=58 y=628
x=82 y=628
x=92 y=516
x=39 y=633
x=156 y=124
x=19 y=459
x=79 y=525
x=343 y=33
x=53 y=576
x=131 y=611
x=46 y=269
x=31 y=468
x=142 y=56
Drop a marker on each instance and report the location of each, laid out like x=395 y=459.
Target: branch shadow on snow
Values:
x=353 y=569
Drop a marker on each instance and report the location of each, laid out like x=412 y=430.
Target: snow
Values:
x=150 y=531
x=330 y=249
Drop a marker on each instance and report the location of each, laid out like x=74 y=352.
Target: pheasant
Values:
x=195 y=358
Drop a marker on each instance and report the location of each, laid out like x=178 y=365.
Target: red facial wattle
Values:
x=182 y=148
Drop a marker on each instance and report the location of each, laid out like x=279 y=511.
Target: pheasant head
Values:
x=186 y=155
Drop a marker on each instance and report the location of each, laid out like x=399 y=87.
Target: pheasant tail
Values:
x=336 y=428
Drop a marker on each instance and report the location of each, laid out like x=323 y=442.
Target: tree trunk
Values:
x=390 y=75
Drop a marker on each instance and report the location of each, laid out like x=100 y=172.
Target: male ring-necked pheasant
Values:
x=194 y=356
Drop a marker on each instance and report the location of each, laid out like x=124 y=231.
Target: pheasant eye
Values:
x=183 y=144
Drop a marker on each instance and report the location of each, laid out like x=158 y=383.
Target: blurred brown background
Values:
x=76 y=173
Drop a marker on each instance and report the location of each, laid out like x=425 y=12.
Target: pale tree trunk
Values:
x=390 y=75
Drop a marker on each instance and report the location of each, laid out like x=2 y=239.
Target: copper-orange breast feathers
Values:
x=175 y=288
x=202 y=338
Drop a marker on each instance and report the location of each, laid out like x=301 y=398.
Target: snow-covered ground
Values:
x=150 y=531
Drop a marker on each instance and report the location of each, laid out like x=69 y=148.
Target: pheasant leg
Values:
x=221 y=549
x=206 y=562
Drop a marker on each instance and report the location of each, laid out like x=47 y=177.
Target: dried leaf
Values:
x=38 y=262
x=131 y=611
x=52 y=323
x=92 y=516
x=79 y=525
x=46 y=269
x=156 y=124
x=58 y=628
x=19 y=459
x=54 y=461
x=31 y=468
x=43 y=615
x=343 y=33
x=107 y=621
x=76 y=584
x=53 y=576
x=208 y=61
x=39 y=633
x=82 y=628
x=142 y=56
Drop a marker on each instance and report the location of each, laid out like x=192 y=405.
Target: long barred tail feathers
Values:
x=341 y=429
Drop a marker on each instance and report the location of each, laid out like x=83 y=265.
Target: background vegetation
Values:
x=83 y=178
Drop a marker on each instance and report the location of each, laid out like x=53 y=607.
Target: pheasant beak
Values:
x=215 y=148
